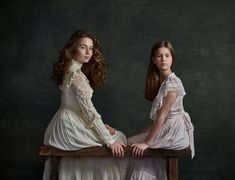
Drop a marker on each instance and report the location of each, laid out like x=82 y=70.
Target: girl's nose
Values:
x=87 y=51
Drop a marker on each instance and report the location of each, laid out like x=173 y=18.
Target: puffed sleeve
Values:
x=83 y=92
x=171 y=84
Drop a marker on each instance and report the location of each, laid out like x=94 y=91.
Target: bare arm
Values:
x=168 y=100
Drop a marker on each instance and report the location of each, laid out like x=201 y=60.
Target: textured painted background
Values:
x=202 y=32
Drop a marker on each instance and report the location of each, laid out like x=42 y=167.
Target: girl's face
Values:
x=163 y=59
x=84 y=50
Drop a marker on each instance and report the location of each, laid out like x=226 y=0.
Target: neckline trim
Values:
x=74 y=65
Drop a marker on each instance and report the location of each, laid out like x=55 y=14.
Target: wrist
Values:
x=147 y=143
x=110 y=143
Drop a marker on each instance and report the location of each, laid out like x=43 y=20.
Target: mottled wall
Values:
x=202 y=32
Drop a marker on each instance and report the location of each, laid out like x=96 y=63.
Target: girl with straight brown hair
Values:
x=171 y=127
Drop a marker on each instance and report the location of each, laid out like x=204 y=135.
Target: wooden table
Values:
x=101 y=151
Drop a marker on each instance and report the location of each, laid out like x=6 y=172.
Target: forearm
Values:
x=102 y=132
x=154 y=130
x=162 y=113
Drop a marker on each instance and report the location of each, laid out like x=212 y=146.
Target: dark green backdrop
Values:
x=202 y=32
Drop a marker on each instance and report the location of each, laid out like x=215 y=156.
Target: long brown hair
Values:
x=153 y=75
x=95 y=70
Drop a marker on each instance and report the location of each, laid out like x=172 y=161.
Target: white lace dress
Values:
x=77 y=125
x=176 y=133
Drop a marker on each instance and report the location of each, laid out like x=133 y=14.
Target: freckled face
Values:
x=163 y=59
x=84 y=50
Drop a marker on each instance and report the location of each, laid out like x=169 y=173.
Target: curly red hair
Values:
x=95 y=70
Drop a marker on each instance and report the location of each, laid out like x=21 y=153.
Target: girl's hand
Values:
x=138 y=149
x=117 y=149
x=112 y=131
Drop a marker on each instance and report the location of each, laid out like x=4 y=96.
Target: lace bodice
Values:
x=76 y=95
x=171 y=83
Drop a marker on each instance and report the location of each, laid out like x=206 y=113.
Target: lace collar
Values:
x=172 y=74
x=74 y=66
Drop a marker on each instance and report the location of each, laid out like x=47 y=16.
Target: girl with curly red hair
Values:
x=80 y=68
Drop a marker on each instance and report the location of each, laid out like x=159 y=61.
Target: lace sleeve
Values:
x=171 y=84
x=83 y=93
